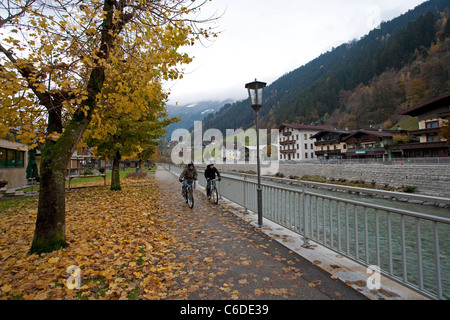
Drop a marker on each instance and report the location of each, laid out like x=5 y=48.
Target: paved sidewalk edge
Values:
x=349 y=271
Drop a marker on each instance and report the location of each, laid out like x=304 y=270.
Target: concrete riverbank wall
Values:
x=429 y=179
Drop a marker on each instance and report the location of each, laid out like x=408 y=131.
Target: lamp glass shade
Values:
x=256 y=92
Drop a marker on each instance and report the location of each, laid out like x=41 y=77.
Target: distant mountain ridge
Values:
x=380 y=72
x=192 y=112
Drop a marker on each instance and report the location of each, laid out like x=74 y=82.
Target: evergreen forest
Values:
x=365 y=82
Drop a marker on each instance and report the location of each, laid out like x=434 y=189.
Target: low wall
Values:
x=429 y=179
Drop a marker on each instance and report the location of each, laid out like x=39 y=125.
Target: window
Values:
x=10 y=158
x=433 y=138
x=306 y=156
x=306 y=146
x=2 y=158
x=433 y=124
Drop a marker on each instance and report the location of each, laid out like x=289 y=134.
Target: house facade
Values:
x=13 y=163
x=297 y=142
x=369 y=143
x=330 y=145
x=432 y=116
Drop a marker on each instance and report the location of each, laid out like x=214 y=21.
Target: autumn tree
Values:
x=401 y=138
x=56 y=56
x=132 y=115
x=125 y=135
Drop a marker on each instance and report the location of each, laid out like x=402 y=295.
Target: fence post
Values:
x=306 y=243
x=245 y=194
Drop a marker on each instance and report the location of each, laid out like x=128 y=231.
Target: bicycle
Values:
x=214 y=193
x=189 y=195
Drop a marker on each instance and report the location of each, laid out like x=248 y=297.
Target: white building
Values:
x=296 y=142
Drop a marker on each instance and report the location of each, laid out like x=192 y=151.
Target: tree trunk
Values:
x=115 y=178
x=49 y=234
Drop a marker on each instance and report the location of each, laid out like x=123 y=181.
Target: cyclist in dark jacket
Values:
x=188 y=175
x=210 y=174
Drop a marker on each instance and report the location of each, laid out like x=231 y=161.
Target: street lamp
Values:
x=255 y=92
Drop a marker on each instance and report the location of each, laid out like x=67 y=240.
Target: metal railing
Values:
x=410 y=247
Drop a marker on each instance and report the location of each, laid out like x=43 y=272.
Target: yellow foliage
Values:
x=61 y=51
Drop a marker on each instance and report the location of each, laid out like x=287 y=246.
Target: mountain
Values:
x=364 y=82
x=192 y=112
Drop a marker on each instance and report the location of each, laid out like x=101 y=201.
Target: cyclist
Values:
x=210 y=174
x=188 y=175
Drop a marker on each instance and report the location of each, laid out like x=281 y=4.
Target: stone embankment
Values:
x=429 y=179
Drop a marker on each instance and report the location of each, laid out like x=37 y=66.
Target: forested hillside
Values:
x=361 y=83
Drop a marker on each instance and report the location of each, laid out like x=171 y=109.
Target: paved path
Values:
x=227 y=258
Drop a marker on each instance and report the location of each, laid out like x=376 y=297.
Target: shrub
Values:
x=86 y=172
x=409 y=189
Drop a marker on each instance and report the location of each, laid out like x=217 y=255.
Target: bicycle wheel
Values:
x=190 y=199
x=214 y=195
x=185 y=193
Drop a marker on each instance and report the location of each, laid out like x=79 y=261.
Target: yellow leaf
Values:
x=208 y=260
x=6 y=288
x=91 y=31
x=53 y=260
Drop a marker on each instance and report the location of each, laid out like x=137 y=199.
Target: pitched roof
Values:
x=431 y=104
x=373 y=132
x=340 y=132
x=304 y=126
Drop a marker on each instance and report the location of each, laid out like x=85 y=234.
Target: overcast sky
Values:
x=265 y=39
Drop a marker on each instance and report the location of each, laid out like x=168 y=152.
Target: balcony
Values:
x=424 y=131
x=287 y=134
x=292 y=151
x=327 y=142
x=288 y=142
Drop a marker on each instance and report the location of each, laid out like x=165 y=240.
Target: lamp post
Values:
x=255 y=92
